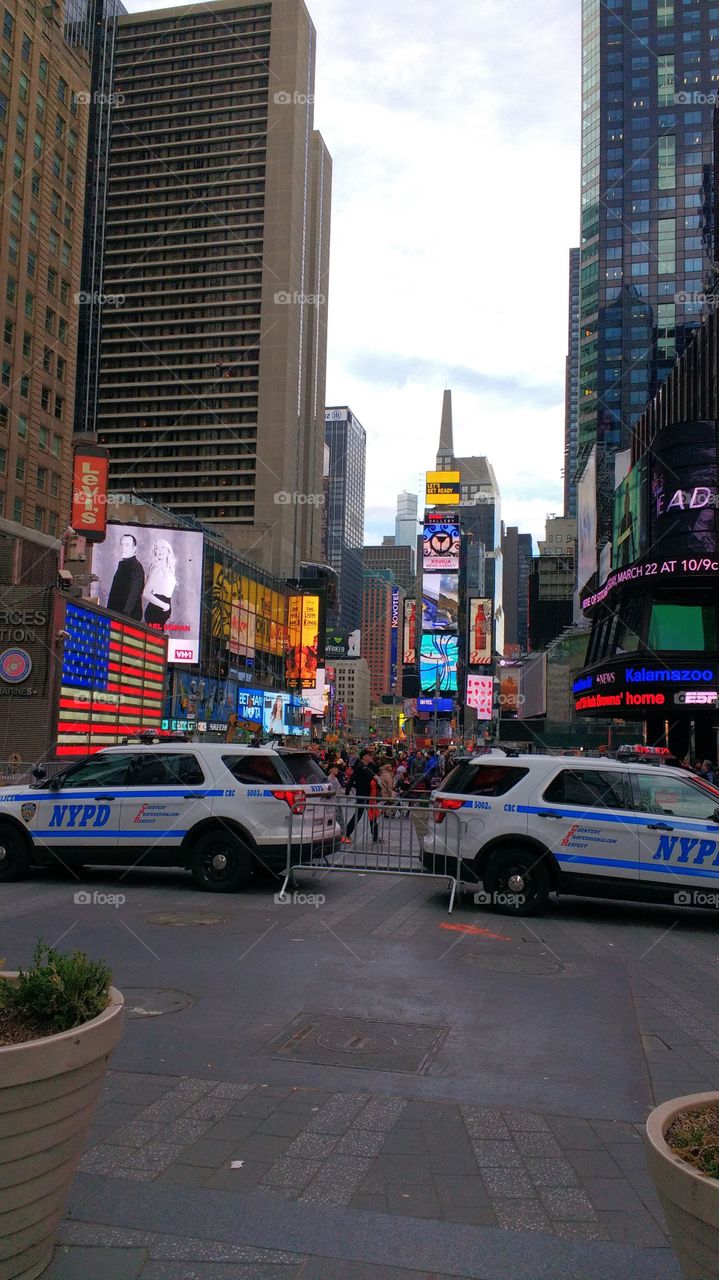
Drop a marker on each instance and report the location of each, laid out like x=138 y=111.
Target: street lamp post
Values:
x=436 y=708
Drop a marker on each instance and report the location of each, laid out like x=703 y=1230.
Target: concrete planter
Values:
x=689 y=1199
x=49 y=1090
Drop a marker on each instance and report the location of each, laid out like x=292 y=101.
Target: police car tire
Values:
x=15 y=865
x=497 y=880
x=238 y=871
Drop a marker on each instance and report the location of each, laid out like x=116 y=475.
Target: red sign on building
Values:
x=89 y=493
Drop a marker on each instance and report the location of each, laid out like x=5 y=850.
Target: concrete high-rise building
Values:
x=92 y=25
x=352 y=695
x=517 y=564
x=213 y=361
x=571 y=389
x=405 y=524
x=398 y=560
x=346 y=442
x=44 y=120
x=650 y=73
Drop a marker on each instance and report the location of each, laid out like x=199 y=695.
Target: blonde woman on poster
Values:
x=160 y=584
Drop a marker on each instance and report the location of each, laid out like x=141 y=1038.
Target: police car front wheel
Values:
x=14 y=855
x=516 y=884
x=220 y=863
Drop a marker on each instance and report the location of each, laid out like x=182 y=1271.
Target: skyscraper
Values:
x=571 y=389
x=650 y=73
x=43 y=150
x=213 y=358
x=93 y=26
x=517 y=565
x=405 y=524
x=346 y=440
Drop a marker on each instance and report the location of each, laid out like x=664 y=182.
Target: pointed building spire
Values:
x=446 y=442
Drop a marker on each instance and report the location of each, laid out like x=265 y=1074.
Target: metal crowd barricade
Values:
x=409 y=840
x=14 y=771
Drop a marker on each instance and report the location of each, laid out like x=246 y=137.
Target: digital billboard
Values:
x=628 y=523
x=587 y=521
x=684 y=492
x=438 y=664
x=89 y=493
x=479 y=642
x=154 y=576
x=442 y=488
x=440 y=546
x=409 y=644
x=480 y=694
x=282 y=715
x=303 y=623
x=112 y=682
x=246 y=614
x=440 y=601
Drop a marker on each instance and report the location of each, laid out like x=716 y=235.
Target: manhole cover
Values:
x=358 y=1042
x=152 y=1002
x=531 y=965
x=185 y=919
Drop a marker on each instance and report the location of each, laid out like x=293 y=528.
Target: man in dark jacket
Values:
x=125 y=595
x=361 y=779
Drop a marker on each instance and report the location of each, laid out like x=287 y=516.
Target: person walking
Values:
x=360 y=781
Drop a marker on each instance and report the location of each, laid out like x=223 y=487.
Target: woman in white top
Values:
x=160 y=583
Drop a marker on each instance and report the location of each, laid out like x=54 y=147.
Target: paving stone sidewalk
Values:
x=481 y=1166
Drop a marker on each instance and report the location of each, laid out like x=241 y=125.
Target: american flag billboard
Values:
x=113 y=681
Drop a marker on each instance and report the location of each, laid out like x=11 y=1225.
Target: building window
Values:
x=33 y=222
x=19 y=468
x=39 y=518
x=42 y=70
x=26 y=48
x=9 y=332
x=31 y=263
x=20 y=126
x=13 y=248
x=22 y=426
x=43 y=436
x=3 y=460
x=47 y=359
x=54 y=484
x=62 y=329
x=54 y=242
x=65 y=291
x=50 y=318
x=40 y=104
x=59 y=127
x=41 y=478
x=6 y=373
x=61 y=368
x=11 y=288
x=52 y=280
x=25 y=386
x=23 y=87
x=27 y=345
x=17 y=510
x=59 y=407
x=29 y=305
x=61 y=90
x=52 y=525
x=56 y=446
x=45 y=399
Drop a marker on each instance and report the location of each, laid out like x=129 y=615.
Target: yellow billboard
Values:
x=303 y=627
x=442 y=488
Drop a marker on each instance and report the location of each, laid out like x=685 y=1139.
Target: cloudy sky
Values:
x=454 y=130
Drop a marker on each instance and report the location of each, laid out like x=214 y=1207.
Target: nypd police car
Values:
x=528 y=826
x=216 y=809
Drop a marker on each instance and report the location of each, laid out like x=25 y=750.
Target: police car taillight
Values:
x=441 y=805
x=295 y=799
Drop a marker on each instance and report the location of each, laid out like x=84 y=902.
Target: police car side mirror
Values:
x=39 y=772
x=55 y=783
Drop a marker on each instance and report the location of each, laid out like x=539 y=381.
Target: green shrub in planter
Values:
x=58 y=993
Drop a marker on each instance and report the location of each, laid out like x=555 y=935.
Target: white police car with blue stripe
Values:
x=536 y=824
x=218 y=810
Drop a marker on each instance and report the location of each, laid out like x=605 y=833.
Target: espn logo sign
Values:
x=696 y=698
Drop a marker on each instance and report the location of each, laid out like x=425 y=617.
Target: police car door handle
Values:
x=659 y=826
x=192 y=795
x=550 y=815
x=105 y=797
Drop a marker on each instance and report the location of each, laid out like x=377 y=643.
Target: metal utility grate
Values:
x=358 y=1042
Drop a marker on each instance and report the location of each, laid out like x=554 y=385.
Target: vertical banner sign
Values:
x=310 y=641
x=480 y=691
x=89 y=493
x=394 y=639
x=479 y=646
x=409 y=648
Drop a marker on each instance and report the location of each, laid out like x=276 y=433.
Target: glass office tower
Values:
x=346 y=440
x=649 y=80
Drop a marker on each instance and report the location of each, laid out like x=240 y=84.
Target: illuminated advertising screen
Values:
x=394 y=639
x=479 y=641
x=282 y=715
x=112 y=683
x=480 y=694
x=440 y=601
x=154 y=576
x=622 y=686
x=440 y=547
x=409 y=646
x=587 y=521
x=89 y=493
x=442 y=488
x=684 y=492
x=303 y=621
x=628 y=524
x=438 y=664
